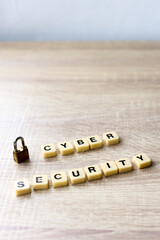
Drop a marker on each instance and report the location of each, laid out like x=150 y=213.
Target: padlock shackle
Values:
x=15 y=143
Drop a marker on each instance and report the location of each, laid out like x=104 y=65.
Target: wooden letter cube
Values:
x=93 y=172
x=124 y=165
x=48 y=150
x=59 y=179
x=142 y=160
x=81 y=145
x=95 y=142
x=109 y=168
x=77 y=176
x=22 y=187
x=110 y=138
x=65 y=148
x=40 y=182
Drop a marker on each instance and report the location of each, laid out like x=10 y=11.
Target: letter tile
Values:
x=48 y=150
x=77 y=176
x=59 y=179
x=22 y=187
x=109 y=168
x=110 y=138
x=93 y=172
x=65 y=148
x=81 y=145
x=95 y=142
x=142 y=160
x=40 y=182
x=124 y=165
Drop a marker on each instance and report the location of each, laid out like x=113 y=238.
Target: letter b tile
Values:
x=81 y=144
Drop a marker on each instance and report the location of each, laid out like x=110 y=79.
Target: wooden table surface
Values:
x=52 y=92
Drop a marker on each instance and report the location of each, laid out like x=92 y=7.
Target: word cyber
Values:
x=81 y=145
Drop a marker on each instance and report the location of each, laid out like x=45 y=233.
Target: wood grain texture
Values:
x=52 y=92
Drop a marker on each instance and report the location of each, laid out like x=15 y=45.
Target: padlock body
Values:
x=21 y=155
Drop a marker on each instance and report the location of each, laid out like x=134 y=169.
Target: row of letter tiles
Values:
x=93 y=172
x=81 y=145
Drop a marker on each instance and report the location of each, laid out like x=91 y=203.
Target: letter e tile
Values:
x=40 y=182
x=95 y=142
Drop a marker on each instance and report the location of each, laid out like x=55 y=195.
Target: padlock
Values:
x=18 y=154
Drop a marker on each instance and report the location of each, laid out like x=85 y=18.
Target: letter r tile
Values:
x=93 y=172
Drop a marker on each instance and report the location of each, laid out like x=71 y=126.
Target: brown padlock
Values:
x=20 y=155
